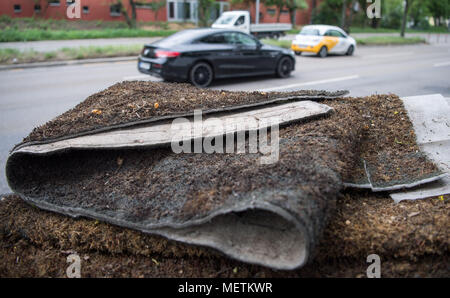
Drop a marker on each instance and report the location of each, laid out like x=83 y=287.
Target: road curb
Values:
x=66 y=62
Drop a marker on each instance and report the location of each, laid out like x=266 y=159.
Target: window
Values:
x=171 y=10
x=221 y=38
x=284 y=11
x=17 y=8
x=37 y=8
x=224 y=19
x=334 y=33
x=114 y=10
x=234 y=38
x=53 y=2
x=70 y=2
x=242 y=39
x=184 y=10
x=309 y=31
x=85 y=9
x=240 y=21
x=181 y=37
x=271 y=11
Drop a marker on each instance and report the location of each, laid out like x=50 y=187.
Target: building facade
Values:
x=109 y=10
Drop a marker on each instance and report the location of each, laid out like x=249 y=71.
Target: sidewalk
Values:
x=67 y=62
x=54 y=45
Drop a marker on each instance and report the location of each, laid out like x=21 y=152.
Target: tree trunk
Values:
x=350 y=17
x=133 y=13
x=127 y=17
x=292 y=12
x=203 y=7
x=279 y=14
x=131 y=21
x=405 y=18
x=313 y=11
x=344 y=13
x=364 y=8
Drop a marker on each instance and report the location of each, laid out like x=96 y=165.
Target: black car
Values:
x=201 y=55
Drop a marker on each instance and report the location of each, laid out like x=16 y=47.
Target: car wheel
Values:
x=323 y=52
x=350 y=50
x=284 y=67
x=201 y=74
x=298 y=53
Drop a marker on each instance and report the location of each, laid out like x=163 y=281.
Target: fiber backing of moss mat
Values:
x=228 y=198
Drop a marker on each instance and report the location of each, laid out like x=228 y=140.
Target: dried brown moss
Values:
x=136 y=101
x=410 y=237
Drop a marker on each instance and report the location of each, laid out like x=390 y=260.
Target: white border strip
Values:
x=312 y=83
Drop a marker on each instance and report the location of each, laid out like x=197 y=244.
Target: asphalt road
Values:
x=30 y=97
x=54 y=45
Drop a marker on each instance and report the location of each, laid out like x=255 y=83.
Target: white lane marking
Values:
x=131 y=78
x=389 y=55
x=442 y=64
x=312 y=83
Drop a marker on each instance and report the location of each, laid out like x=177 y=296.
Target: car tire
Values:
x=284 y=67
x=350 y=50
x=323 y=52
x=298 y=53
x=201 y=74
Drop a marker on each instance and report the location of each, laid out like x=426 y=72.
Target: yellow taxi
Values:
x=323 y=40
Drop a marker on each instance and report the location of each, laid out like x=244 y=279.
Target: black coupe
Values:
x=201 y=55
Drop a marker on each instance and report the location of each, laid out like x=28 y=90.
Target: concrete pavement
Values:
x=54 y=45
x=30 y=97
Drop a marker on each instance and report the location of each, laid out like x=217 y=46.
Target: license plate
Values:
x=145 y=65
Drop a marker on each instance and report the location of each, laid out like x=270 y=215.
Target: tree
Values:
x=131 y=20
x=156 y=6
x=279 y=4
x=405 y=16
x=329 y=12
x=418 y=13
x=343 y=13
x=438 y=9
x=293 y=5
x=313 y=11
x=204 y=10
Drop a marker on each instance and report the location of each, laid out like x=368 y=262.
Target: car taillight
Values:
x=166 y=54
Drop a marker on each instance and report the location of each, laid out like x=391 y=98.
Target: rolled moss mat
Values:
x=411 y=239
x=223 y=201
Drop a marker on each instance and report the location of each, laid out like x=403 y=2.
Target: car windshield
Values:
x=224 y=19
x=181 y=37
x=309 y=31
